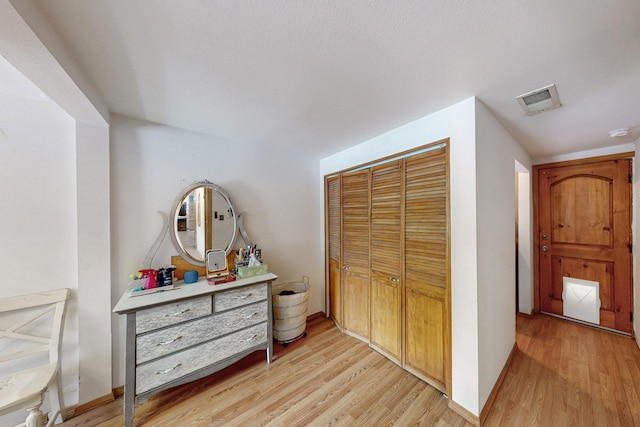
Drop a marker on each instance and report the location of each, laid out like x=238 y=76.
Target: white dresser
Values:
x=177 y=336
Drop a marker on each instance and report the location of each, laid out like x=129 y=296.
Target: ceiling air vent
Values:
x=539 y=100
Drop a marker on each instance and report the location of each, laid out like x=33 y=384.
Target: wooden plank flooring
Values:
x=563 y=374
x=567 y=374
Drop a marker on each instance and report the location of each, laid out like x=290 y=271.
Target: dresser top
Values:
x=181 y=291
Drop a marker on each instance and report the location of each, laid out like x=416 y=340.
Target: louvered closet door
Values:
x=386 y=258
x=426 y=306
x=333 y=226
x=355 y=252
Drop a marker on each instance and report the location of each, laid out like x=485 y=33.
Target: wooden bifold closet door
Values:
x=388 y=263
x=355 y=252
x=426 y=248
x=386 y=258
x=334 y=236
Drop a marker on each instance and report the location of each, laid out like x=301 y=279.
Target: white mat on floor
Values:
x=581 y=299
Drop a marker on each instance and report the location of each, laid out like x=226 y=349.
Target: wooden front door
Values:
x=585 y=233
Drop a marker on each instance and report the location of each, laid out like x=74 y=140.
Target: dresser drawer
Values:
x=169 y=340
x=159 y=372
x=238 y=297
x=170 y=314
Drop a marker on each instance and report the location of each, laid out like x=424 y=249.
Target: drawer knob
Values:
x=245 y=296
x=250 y=316
x=170 y=341
x=164 y=371
x=250 y=339
x=178 y=313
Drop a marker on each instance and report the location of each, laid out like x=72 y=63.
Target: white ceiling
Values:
x=320 y=76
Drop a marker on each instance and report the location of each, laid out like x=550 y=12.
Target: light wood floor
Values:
x=562 y=374
x=566 y=374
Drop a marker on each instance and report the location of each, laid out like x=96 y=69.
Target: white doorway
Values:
x=524 y=267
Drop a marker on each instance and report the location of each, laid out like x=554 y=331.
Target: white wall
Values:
x=36 y=50
x=38 y=215
x=457 y=123
x=151 y=164
x=525 y=239
x=614 y=149
x=496 y=156
x=85 y=198
x=93 y=265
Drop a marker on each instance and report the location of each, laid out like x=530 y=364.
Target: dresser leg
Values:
x=128 y=403
x=269 y=323
x=128 y=400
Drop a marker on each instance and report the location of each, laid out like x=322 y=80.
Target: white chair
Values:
x=23 y=345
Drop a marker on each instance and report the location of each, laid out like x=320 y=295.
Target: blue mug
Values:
x=190 y=276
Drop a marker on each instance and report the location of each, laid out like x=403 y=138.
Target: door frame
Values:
x=536 y=217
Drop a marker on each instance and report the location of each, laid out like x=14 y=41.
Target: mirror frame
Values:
x=175 y=210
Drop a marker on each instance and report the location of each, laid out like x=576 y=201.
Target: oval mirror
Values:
x=203 y=218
